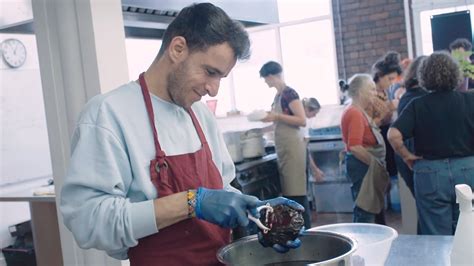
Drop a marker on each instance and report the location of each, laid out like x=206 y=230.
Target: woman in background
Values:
x=364 y=147
x=413 y=90
x=288 y=116
x=442 y=126
x=461 y=45
x=311 y=109
x=385 y=72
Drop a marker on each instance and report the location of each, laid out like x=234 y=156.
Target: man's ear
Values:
x=178 y=49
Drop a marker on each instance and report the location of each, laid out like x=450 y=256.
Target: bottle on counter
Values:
x=394 y=194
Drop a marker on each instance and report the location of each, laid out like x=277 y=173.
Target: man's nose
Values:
x=212 y=87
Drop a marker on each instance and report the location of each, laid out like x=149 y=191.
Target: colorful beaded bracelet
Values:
x=191 y=198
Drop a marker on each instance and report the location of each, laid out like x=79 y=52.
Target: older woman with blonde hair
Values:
x=365 y=150
x=442 y=126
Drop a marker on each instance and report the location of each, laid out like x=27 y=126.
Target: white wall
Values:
x=24 y=142
x=24 y=147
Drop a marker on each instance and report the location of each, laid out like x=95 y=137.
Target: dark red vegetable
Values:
x=284 y=222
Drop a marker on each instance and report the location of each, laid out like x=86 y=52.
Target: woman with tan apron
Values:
x=365 y=151
x=288 y=117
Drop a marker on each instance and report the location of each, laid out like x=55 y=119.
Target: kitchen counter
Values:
x=328 y=116
x=420 y=250
x=27 y=195
x=240 y=123
x=251 y=163
x=44 y=223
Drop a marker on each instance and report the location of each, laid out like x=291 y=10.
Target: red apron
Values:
x=191 y=241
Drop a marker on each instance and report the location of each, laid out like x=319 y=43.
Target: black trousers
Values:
x=390 y=153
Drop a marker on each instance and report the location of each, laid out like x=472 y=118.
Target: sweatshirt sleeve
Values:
x=228 y=166
x=93 y=197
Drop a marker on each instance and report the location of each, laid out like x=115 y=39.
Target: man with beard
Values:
x=149 y=173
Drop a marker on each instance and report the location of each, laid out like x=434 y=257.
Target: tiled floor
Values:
x=393 y=219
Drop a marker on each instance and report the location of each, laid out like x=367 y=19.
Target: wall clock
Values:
x=13 y=52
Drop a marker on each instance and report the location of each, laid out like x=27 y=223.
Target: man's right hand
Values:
x=224 y=208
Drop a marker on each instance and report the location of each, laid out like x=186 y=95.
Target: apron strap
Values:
x=196 y=124
x=379 y=150
x=149 y=109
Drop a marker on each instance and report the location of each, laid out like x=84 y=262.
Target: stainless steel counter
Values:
x=410 y=250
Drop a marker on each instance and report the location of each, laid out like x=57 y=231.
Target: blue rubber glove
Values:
x=290 y=244
x=224 y=208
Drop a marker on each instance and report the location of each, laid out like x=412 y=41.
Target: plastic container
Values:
x=19 y=256
x=395 y=194
x=212 y=105
x=462 y=252
x=374 y=240
x=257 y=115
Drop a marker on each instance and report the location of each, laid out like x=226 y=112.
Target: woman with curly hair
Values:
x=442 y=126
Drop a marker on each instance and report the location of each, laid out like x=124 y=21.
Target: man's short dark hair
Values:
x=460 y=43
x=439 y=72
x=204 y=25
x=270 y=68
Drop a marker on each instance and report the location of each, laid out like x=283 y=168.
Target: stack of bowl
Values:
x=374 y=240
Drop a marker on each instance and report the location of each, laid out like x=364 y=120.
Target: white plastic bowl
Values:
x=257 y=115
x=374 y=240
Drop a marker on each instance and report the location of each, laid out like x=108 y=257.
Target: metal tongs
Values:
x=257 y=221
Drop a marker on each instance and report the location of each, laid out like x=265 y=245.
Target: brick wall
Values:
x=365 y=30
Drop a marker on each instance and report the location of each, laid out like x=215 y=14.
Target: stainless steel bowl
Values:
x=317 y=248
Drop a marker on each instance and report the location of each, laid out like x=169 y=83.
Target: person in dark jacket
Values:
x=442 y=126
x=413 y=90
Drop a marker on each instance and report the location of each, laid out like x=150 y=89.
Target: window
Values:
x=142 y=52
x=310 y=65
x=224 y=97
x=425 y=22
x=305 y=47
x=303 y=43
x=251 y=92
x=291 y=10
x=140 y=55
